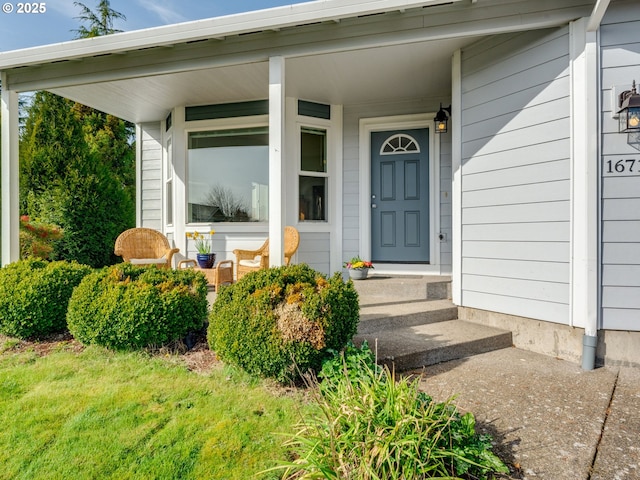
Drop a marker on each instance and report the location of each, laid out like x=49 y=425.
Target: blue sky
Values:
x=22 y=30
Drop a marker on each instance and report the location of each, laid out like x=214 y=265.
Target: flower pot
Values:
x=206 y=260
x=358 y=273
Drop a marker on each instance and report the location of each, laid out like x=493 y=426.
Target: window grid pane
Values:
x=313 y=198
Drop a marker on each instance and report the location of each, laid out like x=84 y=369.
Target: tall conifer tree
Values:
x=78 y=166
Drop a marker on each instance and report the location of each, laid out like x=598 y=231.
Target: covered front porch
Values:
x=357 y=83
x=315 y=93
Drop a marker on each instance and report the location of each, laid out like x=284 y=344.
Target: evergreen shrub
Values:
x=280 y=322
x=34 y=295
x=92 y=208
x=127 y=306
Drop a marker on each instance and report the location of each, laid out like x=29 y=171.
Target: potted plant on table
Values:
x=358 y=268
x=205 y=257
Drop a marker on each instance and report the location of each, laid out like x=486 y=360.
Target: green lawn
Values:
x=96 y=414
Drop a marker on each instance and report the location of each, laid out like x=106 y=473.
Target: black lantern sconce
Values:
x=629 y=113
x=442 y=118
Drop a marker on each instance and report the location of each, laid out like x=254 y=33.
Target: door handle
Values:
x=373 y=205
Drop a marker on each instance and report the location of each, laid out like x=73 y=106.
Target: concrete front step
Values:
x=429 y=344
x=383 y=316
x=395 y=288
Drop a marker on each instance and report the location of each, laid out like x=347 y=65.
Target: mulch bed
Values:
x=198 y=358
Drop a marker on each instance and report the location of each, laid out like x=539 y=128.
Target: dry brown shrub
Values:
x=295 y=327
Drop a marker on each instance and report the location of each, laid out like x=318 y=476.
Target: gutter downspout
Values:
x=590 y=338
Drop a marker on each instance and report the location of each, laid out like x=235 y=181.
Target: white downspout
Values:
x=590 y=340
x=585 y=174
x=584 y=188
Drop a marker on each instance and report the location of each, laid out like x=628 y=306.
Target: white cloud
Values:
x=164 y=10
x=64 y=7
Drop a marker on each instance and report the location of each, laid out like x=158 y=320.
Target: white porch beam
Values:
x=597 y=15
x=458 y=21
x=9 y=174
x=276 y=160
x=584 y=214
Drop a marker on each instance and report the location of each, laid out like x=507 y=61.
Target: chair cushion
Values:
x=148 y=261
x=251 y=263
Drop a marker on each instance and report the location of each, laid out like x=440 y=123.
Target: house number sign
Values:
x=626 y=166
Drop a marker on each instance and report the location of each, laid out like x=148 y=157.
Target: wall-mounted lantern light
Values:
x=629 y=113
x=442 y=118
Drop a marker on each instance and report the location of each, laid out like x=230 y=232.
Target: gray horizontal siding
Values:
x=516 y=175
x=620 y=261
x=151 y=176
x=446 y=206
x=314 y=250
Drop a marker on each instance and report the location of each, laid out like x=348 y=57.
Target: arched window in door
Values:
x=399 y=143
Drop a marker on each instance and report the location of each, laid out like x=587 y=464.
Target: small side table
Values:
x=216 y=276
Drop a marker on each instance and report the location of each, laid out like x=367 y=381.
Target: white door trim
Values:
x=400 y=122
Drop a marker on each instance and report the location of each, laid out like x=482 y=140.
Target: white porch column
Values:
x=584 y=202
x=276 y=160
x=179 y=147
x=456 y=172
x=9 y=174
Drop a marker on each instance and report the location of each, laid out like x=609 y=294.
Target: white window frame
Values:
x=329 y=126
x=305 y=173
x=169 y=175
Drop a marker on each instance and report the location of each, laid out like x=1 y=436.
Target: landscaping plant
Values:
x=371 y=425
x=281 y=321
x=37 y=240
x=34 y=295
x=127 y=306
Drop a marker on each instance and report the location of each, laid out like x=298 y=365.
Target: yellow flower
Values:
x=202 y=240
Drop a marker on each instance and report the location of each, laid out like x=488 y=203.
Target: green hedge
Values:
x=34 y=295
x=279 y=322
x=127 y=306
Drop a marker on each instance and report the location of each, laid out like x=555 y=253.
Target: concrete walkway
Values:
x=550 y=419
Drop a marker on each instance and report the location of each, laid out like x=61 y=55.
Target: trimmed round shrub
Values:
x=127 y=306
x=281 y=322
x=34 y=295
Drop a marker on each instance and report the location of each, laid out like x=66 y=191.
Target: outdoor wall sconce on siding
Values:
x=442 y=118
x=629 y=113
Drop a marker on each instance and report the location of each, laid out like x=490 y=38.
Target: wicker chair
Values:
x=252 y=260
x=145 y=246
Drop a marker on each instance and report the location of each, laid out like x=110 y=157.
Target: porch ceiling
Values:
x=391 y=73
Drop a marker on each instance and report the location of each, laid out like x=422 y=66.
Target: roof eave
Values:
x=217 y=27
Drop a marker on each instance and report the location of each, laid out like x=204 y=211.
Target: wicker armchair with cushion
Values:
x=145 y=246
x=251 y=260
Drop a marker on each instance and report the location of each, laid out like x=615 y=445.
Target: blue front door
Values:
x=400 y=196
